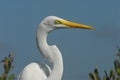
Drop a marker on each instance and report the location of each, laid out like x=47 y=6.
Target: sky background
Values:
x=82 y=50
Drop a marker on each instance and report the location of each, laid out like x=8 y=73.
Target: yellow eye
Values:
x=58 y=22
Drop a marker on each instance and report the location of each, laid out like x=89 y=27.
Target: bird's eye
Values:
x=58 y=22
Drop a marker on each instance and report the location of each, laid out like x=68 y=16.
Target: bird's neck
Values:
x=51 y=53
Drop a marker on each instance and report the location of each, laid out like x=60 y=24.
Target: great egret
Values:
x=36 y=71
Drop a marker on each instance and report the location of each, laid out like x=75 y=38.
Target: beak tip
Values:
x=90 y=28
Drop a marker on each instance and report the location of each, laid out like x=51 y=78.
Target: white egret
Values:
x=36 y=71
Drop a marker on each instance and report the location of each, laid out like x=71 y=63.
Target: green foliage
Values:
x=114 y=74
x=8 y=66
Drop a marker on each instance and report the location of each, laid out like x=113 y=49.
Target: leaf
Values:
x=11 y=77
x=96 y=73
x=91 y=76
x=118 y=71
x=111 y=73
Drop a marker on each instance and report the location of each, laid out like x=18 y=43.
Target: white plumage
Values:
x=36 y=71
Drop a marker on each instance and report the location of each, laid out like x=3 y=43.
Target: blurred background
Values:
x=82 y=50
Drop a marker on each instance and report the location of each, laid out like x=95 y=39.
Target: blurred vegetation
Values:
x=114 y=74
x=7 y=64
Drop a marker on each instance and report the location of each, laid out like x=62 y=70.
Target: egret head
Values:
x=53 y=22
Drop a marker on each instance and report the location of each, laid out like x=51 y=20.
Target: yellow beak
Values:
x=76 y=25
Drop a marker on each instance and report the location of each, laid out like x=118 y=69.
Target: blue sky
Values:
x=82 y=50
